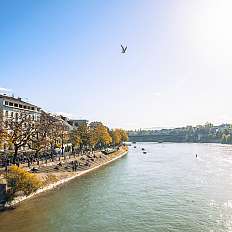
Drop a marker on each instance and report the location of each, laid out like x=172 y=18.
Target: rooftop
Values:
x=16 y=99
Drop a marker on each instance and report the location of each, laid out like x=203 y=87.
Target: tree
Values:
x=39 y=139
x=94 y=134
x=2 y=129
x=56 y=131
x=93 y=137
x=224 y=138
x=63 y=133
x=124 y=135
x=20 y=180
x=116 y=136
x=19 y=131
x=52 y=129
x=103 y=136
x=74 y=138
x=2 y=136
x=84 y=135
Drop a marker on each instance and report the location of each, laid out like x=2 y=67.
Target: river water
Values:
x=167 y=189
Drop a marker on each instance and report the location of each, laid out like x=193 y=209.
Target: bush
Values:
x=20 y=180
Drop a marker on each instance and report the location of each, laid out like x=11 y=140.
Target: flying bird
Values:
x=123 y=49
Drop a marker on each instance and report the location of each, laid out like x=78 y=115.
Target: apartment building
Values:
x=11 y=107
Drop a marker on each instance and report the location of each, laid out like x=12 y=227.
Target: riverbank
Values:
x=60 y=178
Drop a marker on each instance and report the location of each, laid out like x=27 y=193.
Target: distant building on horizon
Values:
x=77 y=122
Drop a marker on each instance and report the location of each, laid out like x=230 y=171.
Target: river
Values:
x=167 y=189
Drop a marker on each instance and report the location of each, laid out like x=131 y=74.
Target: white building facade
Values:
x=11 y=107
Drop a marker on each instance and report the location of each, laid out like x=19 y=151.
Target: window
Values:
x=33 y=108
x=6 y=103
x=20 y=106
x=16 y=105
x=24 y=107
x=6 y=113
x=11 y=104
x=12 y=114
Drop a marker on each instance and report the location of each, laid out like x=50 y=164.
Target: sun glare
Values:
x=213 y=29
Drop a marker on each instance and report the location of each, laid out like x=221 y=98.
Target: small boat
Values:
x=144 y=152
x=134 y=146
x=143 y=149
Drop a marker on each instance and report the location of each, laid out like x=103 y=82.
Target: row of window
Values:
x=16 y=115
x=20 y=106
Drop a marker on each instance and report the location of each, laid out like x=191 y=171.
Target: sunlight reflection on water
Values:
x=167 y=189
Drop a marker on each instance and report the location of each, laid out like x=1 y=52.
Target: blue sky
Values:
x=65 y=57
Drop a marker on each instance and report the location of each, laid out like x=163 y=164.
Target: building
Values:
x=77 y=123
x=11 y=107
x=64 y=121
x=74 y=123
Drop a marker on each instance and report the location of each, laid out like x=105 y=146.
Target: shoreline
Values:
x=179 y=142
x=52 y=186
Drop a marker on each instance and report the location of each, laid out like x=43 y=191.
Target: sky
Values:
x=65 y=57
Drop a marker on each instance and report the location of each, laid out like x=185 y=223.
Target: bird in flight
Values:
x=123 y=49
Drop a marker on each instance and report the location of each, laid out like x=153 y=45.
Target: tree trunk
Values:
x=15 y=154
x=36 y=154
